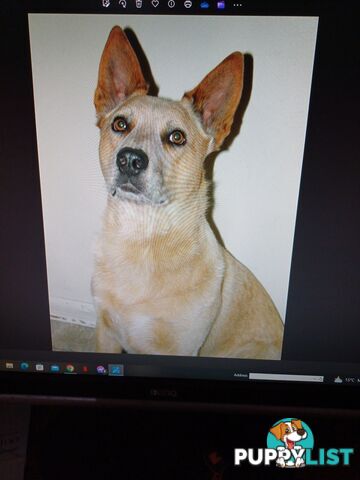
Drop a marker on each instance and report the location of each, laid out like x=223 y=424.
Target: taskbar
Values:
x=129 y=370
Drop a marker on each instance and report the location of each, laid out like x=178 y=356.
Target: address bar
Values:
x=286 y=377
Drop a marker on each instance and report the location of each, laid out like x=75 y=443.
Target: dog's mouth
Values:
x=290 y=444
x=126 y=188
x=128 y=191
x=129 y=188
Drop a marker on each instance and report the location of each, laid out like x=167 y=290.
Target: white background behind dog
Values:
x=256 y=180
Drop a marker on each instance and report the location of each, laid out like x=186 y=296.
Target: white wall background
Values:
x=257 y=179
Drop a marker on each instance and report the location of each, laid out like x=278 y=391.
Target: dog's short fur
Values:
x=162 y=283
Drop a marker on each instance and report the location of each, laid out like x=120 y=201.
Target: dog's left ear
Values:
x=120 y=73
x=217 y=97
x=297 y=423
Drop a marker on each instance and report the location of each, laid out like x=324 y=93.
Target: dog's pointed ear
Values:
x=276 y=431
x=217 y=97
x=120 y=74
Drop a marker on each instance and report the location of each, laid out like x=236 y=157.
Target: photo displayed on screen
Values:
x=170 y=156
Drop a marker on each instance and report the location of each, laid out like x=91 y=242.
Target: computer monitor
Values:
x=179 y=200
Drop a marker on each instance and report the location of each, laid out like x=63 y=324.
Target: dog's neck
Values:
x=146 y=220
x=168 y=233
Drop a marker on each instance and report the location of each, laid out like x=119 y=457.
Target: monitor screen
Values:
x=180 y=192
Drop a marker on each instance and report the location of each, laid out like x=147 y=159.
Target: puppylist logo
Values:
x=290 y=437
x=290 y=444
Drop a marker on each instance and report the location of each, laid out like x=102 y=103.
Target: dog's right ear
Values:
x=120 y=74
x=276 y=431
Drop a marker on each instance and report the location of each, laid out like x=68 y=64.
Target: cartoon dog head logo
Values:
x=290 y=437
x=289 y=432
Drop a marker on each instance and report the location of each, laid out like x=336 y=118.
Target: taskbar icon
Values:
x=67 y=368
x=116 y=370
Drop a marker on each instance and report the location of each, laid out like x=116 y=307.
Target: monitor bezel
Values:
x=186 y=390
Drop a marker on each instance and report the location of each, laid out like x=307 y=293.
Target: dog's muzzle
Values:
x=131 y=162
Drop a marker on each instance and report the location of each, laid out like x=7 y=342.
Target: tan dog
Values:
x=162 y=283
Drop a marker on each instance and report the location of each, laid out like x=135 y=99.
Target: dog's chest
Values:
x=157 y=301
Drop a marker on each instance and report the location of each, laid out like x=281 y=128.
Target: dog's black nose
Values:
x=301 y=431
x=131 y=162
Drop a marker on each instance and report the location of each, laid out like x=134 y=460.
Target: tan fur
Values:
x=162 y=284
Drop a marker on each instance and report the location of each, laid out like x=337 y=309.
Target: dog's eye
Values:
x=119 y=124
x=287 y=430
x=177 y=137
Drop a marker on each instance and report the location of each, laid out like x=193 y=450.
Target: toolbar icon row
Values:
x=220 y=5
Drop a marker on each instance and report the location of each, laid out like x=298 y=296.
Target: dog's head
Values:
x=152 y=149
x=289 y=432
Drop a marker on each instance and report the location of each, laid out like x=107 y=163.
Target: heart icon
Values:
x=155 y=3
